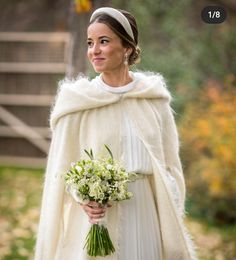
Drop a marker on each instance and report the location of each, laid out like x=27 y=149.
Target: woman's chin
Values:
x=98 y=69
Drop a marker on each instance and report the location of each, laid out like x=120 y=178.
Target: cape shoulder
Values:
x=151 y=85
x=83 y=94
x=77 y=95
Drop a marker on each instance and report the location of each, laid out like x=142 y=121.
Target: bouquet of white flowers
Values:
x=101 y=180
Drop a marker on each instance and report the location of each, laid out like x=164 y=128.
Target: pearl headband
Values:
x=114 y=13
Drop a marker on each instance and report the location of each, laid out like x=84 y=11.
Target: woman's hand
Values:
x=95 y=211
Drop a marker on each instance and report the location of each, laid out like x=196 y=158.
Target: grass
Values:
x=20 y=196
x=213 y=242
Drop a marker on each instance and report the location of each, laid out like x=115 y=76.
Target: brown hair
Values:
x=118 y=29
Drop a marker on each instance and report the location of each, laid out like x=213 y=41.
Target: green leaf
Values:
x=90 y=154
x=109 y=151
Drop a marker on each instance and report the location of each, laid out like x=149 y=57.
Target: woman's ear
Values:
x=128 y=51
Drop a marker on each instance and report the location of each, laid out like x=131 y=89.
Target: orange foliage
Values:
x=82 y=6
x=208 y=133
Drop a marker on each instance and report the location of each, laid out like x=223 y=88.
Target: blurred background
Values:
x=42 y=41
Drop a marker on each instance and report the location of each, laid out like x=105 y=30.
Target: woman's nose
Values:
x=96 y=48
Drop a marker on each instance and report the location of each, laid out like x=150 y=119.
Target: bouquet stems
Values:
x=98 y=242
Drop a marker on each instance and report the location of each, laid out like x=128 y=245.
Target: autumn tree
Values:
x=208 y=131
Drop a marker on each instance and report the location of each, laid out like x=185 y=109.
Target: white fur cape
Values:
x=85 y=116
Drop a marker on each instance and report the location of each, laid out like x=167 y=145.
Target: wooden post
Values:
x=77 y=60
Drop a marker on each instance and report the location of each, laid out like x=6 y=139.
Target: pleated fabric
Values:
x=139 y=234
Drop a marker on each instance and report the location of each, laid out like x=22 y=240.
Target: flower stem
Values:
x=98 y=242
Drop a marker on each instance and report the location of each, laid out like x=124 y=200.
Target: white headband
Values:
x=116 y=15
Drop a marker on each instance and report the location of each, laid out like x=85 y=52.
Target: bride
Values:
x=131 y=113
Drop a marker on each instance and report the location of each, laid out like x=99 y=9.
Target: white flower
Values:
x=72 y=164
x=109 y=167
x=78 y=168
x=96 y=191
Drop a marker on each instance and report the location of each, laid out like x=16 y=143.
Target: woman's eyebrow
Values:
x=100 y=37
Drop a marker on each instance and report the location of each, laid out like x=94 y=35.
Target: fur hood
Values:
x=83 y=94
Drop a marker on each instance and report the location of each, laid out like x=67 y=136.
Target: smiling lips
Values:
x=97 y=60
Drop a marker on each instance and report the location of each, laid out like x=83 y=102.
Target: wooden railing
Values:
x=24 y=111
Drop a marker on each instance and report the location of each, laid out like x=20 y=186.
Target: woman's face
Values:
x=105 y=50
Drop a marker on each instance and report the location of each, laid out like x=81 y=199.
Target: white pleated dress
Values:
x=140 y=233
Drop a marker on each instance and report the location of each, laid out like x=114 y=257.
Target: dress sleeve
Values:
x=73 y=193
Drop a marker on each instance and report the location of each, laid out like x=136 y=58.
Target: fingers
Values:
x=95 y=219
x=94 y=211
x=94 y=204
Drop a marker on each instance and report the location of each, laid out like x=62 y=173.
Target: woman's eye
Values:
x=89 y=43
x=104 y=41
